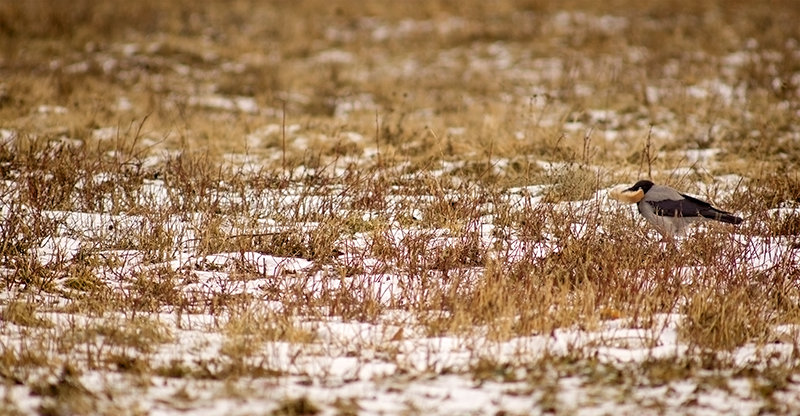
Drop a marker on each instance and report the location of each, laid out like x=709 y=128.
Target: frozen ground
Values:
x=201 y=328
x=388 y=365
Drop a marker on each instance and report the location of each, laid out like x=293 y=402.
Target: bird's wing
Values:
x=697 y=202
x=679 y=208
x=708 y=211
x=667 y=202
x=688 y=207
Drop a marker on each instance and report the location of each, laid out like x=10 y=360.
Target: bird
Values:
x=668 y=210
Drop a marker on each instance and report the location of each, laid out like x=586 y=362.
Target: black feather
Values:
x=692 y=207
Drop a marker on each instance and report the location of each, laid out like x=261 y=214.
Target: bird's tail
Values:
x=722 y=216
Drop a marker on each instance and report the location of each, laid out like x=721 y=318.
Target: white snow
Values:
x=389 y=364
x=218 y=102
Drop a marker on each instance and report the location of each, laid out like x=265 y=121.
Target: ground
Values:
x=324 y=207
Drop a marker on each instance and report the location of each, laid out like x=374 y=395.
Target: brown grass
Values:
x=398 y=125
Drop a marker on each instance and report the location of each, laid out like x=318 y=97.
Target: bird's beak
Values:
x=629 y=196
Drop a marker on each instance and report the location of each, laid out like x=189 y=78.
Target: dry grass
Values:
x=320 y=130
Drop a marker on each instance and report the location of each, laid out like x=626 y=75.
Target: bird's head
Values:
x=633 y=194
x=643 y=185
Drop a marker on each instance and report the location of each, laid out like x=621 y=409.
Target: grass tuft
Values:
x=296 y=407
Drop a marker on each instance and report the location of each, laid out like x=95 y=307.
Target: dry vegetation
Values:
x=459 y=150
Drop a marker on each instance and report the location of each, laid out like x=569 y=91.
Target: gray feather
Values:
x=670 y=211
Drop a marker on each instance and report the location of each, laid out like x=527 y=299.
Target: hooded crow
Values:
x=668 y=210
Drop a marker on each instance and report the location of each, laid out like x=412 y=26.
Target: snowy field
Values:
x=255 y=353
x=317 y=208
